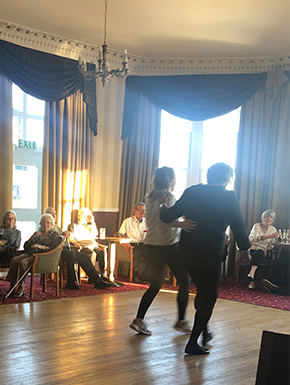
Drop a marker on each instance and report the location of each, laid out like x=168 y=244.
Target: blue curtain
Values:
x=46 y=76
x=192 y=97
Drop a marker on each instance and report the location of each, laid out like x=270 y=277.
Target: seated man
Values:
x=70 y=256
x=279 y=281
x=135 y=228
x=83 y=236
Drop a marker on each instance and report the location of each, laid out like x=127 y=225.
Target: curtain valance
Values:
x=46 y=76
x=192 y=97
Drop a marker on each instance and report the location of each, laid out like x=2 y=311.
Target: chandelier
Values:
x=104 y=71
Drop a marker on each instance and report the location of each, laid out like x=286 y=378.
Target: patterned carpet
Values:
x=85 y=290
x=227 y=290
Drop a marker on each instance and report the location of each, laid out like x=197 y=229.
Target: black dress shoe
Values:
x=206 y=339
x=103 y=285
x=19 y=295
x=72 y=286
x=196 y=350
x=138 y=280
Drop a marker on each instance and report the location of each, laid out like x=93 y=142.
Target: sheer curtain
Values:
x=140 y=157
x=67 y=157
x=6 y=147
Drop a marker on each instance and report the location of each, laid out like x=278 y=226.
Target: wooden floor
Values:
x=87 y=341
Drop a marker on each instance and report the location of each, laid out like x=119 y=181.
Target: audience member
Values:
x=11 y=235
x=70 y=257
x=262 y=237
x=214 y=209
x=83 y=236
x=161 y=249
x=39 y=242
x=135 y=228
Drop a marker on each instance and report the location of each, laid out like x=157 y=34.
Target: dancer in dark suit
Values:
x=214 y=209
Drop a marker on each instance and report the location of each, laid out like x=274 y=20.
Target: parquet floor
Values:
x=87 y=341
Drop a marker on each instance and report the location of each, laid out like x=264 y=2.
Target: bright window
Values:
x=28 y=134
x=190 y=148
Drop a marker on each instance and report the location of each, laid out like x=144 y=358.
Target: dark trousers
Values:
x=257 y=256
x=139 y=261
x=207 y=282
x=100 y=257
x=70 y=257
x=157 y=258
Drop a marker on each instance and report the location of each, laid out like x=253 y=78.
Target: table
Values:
x=279 y=246
x=111 y=255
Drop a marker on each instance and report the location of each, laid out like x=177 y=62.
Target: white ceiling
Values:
x=164 y=28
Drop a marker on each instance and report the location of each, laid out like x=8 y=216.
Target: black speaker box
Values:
x=273 y=365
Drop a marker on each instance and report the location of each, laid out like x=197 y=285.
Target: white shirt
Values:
x=134 y=229
x=85 y=235
x=159 y=233
x=256 y=232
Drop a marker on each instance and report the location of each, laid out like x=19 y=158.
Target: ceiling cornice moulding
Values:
x=72 y=49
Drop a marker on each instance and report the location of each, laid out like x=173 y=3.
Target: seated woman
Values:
x=83 y=237
x=39 y=242
x=12 y=236
x=262 y=238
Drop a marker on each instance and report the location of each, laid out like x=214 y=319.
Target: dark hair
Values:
x=6 y=215
x=162 y=180
x=219 y=173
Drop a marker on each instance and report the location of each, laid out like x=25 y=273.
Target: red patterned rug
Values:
x=85 y=290
x=227 y=290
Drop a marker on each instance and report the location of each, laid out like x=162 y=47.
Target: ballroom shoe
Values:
x=19 y=295
x=140 y=326
x=104 y=285
x=196 y=350
x=251 y=285
x=270 y=287
x=72 y=286
x=207 y=338
x=182 y=326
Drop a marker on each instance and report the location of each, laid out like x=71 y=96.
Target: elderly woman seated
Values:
x=262 y=237
x=39 y=242
x=11 y=236
x=83 y=237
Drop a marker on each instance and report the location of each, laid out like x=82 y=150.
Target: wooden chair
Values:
x=123 y=255
x=46 y=263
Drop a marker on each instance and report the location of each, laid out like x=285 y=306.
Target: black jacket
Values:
x=214 y=208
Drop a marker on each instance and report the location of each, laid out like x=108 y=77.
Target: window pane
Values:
x=174 y=141
x=181 y=178
x=34 y=131
x=17 y=129
x=17 y=98
x=25 y=180
x=35 y=106
x=220 y=140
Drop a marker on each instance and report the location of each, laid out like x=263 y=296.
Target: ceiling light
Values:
x=104 y=71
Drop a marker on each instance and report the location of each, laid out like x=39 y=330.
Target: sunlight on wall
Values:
x=75 y=190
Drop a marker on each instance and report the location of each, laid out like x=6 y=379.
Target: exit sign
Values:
x=27 y=144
